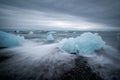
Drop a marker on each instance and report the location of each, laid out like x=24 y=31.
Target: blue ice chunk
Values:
x=10 y=40
x=68 y=45
x=74 y=32
x=30 y=33
x=17 y=31
x=51 y=32
x=50 y=38
x=85 y=43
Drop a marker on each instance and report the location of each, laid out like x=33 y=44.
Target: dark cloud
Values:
x=98 y=11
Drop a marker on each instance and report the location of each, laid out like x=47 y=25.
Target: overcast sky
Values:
x=60 y=14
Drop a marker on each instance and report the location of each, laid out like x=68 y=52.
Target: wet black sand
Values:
x=81 y=71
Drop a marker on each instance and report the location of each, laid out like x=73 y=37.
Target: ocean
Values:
x=39 y=59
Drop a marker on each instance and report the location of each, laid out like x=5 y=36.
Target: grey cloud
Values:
x=97 y=11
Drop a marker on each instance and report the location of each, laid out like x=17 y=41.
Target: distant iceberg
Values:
x=10 y=40
x=85 y=43
x=50 y=37
x=51 y=32
x=17 y=31
x=74 y=32
x=30 y=33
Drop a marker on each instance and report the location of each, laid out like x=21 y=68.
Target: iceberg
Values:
x=74 y=32
x=17 y=31
x=51 y=32
x=50 y=37
x=9 y=40
x=30 y=33
x=85 y=43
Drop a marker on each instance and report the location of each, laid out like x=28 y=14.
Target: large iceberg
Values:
x=50 y=37
x=10 y=40
x=85 y=43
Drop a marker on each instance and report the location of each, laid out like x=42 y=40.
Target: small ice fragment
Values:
x=50 y=38
x=51 y=32
x=30 y=33
x=74 y=32
x=17 y=31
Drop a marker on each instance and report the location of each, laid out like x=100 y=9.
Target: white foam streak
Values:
x=44 y=61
